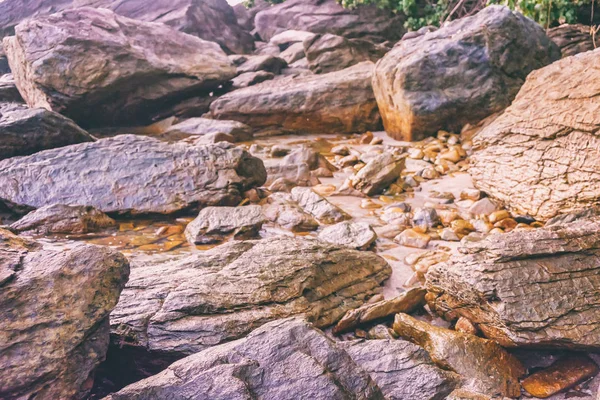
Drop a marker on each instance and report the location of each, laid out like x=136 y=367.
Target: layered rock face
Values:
x=572 y=39
x=24 y=131
x=341 y=102
x=102 y=69
x=212 y=20
x=540 y=157
x=327 y=16
x=186 y=305
x=132 y=174
x=461 y=73
x=13 y=12
x=42 y=355
x=536 y=288
x=260 y=365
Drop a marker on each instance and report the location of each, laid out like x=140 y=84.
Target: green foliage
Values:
x=547 y=12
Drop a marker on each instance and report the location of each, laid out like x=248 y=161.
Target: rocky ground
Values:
x=295 y=201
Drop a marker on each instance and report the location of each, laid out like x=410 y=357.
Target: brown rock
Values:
x=340 y=101
x=378 y=174
x=101 y=69
x=562 y=375
x=534 y=288
x=484 y=366
x=59 y=218
x=407 y=302
x=572 y=39
x=547 y=165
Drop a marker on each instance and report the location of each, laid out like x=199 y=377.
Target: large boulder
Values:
x=14 y=11
x=102 y=69
x=572 y=39
x=327 y=53
x=540 y=157
x=54 y=307
x=459 y=74
x=24 y=131
x=261 y=365
x=129 y=173
x=538 y=288
x=327 y=16
x=186 y=305
x=59 y=218
x=341 y=102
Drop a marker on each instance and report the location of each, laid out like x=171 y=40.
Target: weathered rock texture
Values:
x=318 y=206
x=133 y=174
x=8 y=89
x=327 y=16
x=25 y=131
x=187 y=305
x=378 y=174
x=401 y=369
x=459 y=74
x=572 y=39
x=539 y=157
x=59 y=218
x=536 y=288
x=484 y=366
x=101 y=69
x=54 y=307
x=285 y=359
x=204 y=126
x=341 y=102
x=213 y=223
x=327 y=53
x=358 y=235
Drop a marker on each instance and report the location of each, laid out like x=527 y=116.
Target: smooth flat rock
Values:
x=213 y=223
x=25 y=131
x=539 y=158
x=54 y=307
x=378 y=174
x=457 y=74
x=132 y=174
x=341 y=102
x=537 y=288
x=102 y=69
x=260 y=366
x=186 y=305
x=59 y=218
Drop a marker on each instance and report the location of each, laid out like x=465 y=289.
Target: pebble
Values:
x=470 y=194
x=340 y=150
x=452 y=155
x=449 y=235
x=426 y=217
x=483 y=207
x=498 y=216
x=280 y=151
x=347 y=161
x=416 y=154
x=412 y=238
x=324 y=190
x=368 y=204
x=481 y=225
x=507 y=224
x=462 y=226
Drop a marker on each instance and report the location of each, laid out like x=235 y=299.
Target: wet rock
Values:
x=546 y=166
x=378 y=174
x=101 y=69
x=407 y=302
x=317 y=206
x=526 y=288
x=60 y=218
x=358 y=235
x=412 y=238
x=204 y=126
x=455 y=75
x=484 y=366
x=266 y=63
x=211 y=297
x=401 y=369
x=44 y=356
x=340 y=101
x=286 y=213
x=8 y=90
x=251 y=78
x=260 y=364
x=213 y=223
x=25 y=131
x=132 y=174
x=560 y=376
x=328 y=53
x=572 y=39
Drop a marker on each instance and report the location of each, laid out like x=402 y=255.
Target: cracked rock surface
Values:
x=540 y=157
x=189 y=304
x=538 y=288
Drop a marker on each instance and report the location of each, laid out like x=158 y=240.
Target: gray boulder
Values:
x=459 y=74
x=358 y=235
x=101 y=69
x=54 y=307
x=213 y=223
x=188 y=304
x=59 y=218
x=24 y=131
x=132 y=174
